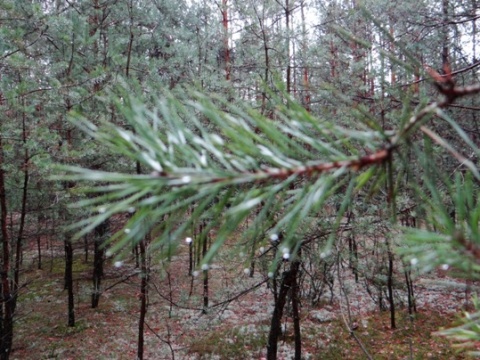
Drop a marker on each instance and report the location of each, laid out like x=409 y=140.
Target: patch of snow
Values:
x=323 y=315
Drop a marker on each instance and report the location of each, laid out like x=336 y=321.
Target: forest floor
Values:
x=177 y=328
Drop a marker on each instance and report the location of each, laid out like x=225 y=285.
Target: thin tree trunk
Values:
x=474 y=34
x=143 y=299
x=267 y=69
x=393 y=76
x=130 y=41
x=85 y=247
x=69 y=281
x=190 y=258
x=98 y=260
x=142 y=257
x=296 y=314
x=23 y=211
x=205 y=272
x=39 y=249
x=226 y=48
x=392 y=206
x=97 y=273
x=266 y=56
x=289 y=65
x=6 y=333
x=288 y=279
x=445 y=60
x=390 y=289
x=136 y=255
x=306 y=82
x=411 y=296
x=252 y=256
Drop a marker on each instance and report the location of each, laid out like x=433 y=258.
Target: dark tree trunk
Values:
x=445 y=52
x=391 y=202
x=226 y=49
x=85 y=247
x=136 y=255
x=143 y=299
x=205 y=272
x=412 y=307
x=252 y=256
x=205 y=291
x=69 y=281
x=353 y=256
x=23 y=213
x=390 y=290
x=306 y=84
x=98 y=260
x=6 y=324
x=190 y=258
x=267 y=69
x=289 y=63
x=142 y=257
x=288 y=280
x=39 y=250
x=296 y=314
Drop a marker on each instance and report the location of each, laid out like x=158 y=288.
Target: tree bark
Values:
x=142 y=257
x=445 y=60
x=296 y=314
x=412 y=307
x=39 y=249
x=69 y=281
x=98 y=261
x=143 y=300
x=205 y=272
x=6 y=325
x=23 y=212
x=288 y=281
x=85 y=247
x=130 y=40
x=289 y=65
x=391 y=299
x=226 y=49
x=261 y=22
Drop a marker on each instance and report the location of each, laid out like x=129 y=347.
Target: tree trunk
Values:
x=226 y=49
x=98 y=260
x=130 y=40
x=288 y=280
x=353 y=256
x=445 y=60
x=289 y=65
x=69 y=281
x=23 y=212
x=6 y=324
x=190 y=258
x=136 y=255
x=261 y=22
x=85 y=247
x=39 y=250
x=143 y=299
x=412 y=307
x=142 y=257
x=205 y=272
x=390 y=289
x=296 y=314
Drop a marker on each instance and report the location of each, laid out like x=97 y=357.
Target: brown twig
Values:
x=348 y=322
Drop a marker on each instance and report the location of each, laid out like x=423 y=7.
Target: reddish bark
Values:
x=226 y=49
